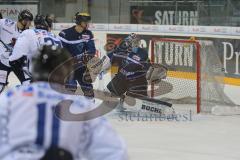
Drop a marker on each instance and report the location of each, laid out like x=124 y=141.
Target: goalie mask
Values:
x=134 y=40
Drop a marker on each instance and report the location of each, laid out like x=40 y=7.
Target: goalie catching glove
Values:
x=156 y=73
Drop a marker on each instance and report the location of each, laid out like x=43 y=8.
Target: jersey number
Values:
x=42 y=108
x=52 y=41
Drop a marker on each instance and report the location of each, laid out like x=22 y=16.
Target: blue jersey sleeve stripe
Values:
x=75 y=41
x=41 y=124
x=127 y=58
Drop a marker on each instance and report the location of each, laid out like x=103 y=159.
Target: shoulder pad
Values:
x=9 y=22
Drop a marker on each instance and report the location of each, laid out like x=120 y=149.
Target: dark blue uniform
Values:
x=79 y=44
x=132 y=70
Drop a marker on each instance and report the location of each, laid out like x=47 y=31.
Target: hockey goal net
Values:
x=195 y=73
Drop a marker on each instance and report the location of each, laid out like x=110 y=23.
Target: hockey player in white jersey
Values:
x=28 y=45
x=29 y=129
x=9 y=32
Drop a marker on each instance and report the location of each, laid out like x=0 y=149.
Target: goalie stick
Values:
x=146 y=98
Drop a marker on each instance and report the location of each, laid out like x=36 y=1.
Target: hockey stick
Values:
x=6 y=46
x=10 y=49
x=146 y=98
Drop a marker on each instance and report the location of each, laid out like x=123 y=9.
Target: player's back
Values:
x=31 y=126
x=8 y=30
x=30 y=42
x=44 y=37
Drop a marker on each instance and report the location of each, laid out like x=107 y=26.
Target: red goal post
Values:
x=172 y=46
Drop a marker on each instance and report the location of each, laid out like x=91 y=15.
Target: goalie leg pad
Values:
x=118 y=85
x=139 y=86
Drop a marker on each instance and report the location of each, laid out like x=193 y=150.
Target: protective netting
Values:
x=212 y=79
x=195 y=73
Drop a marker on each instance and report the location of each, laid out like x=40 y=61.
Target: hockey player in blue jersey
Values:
x=30 y=129
x=135 y=71
x=78 y=40
x=132 y=62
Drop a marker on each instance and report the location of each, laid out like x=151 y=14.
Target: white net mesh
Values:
x=181 y=58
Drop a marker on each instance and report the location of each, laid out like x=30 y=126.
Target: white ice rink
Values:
x=205 y=137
